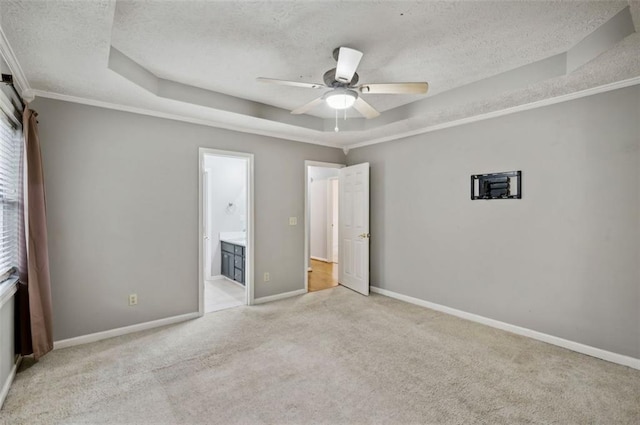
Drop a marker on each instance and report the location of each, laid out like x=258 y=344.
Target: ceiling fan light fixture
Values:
x=341 y=99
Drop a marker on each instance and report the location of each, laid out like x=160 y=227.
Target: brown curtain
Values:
x=34 y=322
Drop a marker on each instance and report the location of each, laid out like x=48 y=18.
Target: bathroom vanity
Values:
x=233 y=259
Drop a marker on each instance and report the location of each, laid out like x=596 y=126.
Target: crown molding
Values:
x=177 y=117
x=19 y=77
x=499 y=113
x=346 y=148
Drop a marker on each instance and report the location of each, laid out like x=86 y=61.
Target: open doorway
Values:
x=322 y=215
x=226 y=222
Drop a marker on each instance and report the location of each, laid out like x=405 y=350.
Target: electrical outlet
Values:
x=267 y=278
x=293 y=221
x=133 y=299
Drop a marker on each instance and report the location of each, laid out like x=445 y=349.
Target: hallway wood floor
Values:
x=323 y=276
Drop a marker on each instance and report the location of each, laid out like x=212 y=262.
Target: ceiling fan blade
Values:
x=365 y=109
x=291 y=83
x=308 y=106
x=348 y=61
x=395 y=88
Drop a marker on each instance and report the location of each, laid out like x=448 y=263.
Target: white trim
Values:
x=550 y=339
x=177 y=117
x=249 y=249
x=19 y=77
x=277 y=297
x=206 y=231
x=7 y=290
x=324 y=260
x=98 y=336
x=7 y=383
x=222 y=277
x=218 y=277
x=307 y=221
x=494 y=114
x=525 y=107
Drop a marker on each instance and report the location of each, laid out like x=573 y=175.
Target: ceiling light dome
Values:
x=341 y=98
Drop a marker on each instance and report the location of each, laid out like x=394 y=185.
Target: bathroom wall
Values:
x=227 y=204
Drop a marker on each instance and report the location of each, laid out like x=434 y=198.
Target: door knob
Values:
x=365 y=235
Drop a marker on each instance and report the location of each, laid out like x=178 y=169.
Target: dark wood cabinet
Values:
x=233 y=264
x=227 y=264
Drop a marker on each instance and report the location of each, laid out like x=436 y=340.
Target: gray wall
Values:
x=564 y=260
x=122 y=205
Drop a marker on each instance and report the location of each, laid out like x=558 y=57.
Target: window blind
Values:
x=10 y=157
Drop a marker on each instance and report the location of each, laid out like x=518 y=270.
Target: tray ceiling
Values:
x=204 y=57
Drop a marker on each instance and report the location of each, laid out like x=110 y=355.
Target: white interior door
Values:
x=353 y=221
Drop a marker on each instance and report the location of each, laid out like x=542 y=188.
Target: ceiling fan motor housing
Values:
x=329 y=78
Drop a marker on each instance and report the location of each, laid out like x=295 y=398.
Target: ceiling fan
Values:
x=344 y=92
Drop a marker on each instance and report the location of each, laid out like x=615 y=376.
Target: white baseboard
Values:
x=223 y=277
x=550 y=339
x=320 y=259
x=277 y=297
x=234 y=282
x=7 y=383
x=98 y=336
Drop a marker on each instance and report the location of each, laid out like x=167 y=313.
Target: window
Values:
x=10 y=157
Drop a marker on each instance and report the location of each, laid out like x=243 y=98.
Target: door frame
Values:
x=249 y=250
x=307 y=221
x=205 y=187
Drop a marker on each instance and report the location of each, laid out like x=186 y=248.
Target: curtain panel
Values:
x=34 y=310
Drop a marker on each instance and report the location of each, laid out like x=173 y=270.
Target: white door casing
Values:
x=353 y=204
x=333 y=240
x=206 y=235
x=250 y=214
x=307 y=221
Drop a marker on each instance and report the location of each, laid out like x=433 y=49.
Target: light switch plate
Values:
x=293 y=221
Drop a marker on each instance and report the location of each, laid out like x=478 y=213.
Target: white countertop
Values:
x=236 y=238
x=235 y=241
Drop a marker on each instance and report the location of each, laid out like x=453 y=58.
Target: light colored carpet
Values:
x=220 y=294
x=329 y=357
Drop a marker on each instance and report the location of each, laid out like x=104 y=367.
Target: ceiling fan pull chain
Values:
x=336 y=129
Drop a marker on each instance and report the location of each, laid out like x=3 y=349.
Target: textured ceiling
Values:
x=225 y=46
x=63 y=47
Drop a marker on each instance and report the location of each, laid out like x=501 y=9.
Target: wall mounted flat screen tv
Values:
x=506 y=185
